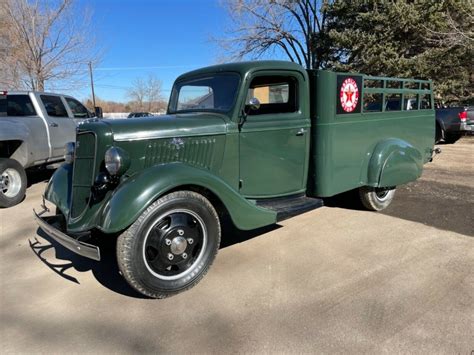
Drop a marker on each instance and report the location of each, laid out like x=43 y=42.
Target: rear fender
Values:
x=394 y=162
x=14 y=133
x=134 y=195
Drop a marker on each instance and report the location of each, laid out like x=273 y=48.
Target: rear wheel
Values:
x=451 y=138
x=376 y=198
x=439 y=134
x=12 y=182
x=171 y=245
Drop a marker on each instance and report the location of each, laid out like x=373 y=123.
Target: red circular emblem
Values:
x=349 y=95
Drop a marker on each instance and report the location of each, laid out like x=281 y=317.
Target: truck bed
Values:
x=348 y=147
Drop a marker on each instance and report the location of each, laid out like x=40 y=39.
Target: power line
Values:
x=149 y=67
x=118 y=87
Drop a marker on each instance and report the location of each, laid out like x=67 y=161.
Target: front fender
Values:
x=58 y=190
x=134 y=195
x=394 y=162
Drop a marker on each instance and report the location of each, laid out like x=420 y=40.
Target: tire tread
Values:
x=126 y=240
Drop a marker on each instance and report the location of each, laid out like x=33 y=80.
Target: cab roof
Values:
x=244 y=67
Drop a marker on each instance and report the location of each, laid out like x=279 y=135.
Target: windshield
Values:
x=210 y=93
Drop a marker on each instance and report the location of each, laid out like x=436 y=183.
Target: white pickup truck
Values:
x=34 y=128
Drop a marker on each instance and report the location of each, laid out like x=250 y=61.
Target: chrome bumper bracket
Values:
x=49 y=225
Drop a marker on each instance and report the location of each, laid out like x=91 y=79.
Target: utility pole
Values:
x=92 y=83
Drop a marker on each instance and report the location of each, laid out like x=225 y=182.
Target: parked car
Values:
x=139 y=114
x=448 y=124
x=34 y=128
x=271 y=143
x=467 y=120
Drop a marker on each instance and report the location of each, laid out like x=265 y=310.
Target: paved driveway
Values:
x=336 y=279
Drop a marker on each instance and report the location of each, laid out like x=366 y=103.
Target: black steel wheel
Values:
x=376 y=198
x=171 y=245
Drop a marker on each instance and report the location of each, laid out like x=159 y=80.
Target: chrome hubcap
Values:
x=10 y=183
x=178 y=245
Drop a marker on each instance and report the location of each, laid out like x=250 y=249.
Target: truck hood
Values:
x=167 y=126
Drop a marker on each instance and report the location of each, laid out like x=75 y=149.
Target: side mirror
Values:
x=254 y=104
x=98 y=112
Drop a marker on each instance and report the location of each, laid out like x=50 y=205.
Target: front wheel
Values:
x=12 y=182
x=171 y=245
x=376 y=198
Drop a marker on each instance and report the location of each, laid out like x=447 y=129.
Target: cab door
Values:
x=62 y=128
x=274 y=139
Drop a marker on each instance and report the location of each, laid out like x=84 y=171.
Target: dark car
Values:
x=449 y=124
x=139 y=114
x=467 y=120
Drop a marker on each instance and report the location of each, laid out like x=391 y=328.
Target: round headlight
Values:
x=116 y=161
x=69 y=151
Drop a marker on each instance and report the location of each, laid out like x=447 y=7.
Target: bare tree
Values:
x=138 y=94
x=146 y=94
x=295 y=27
x=9 y=73
x=50 y=41
x=154 y=93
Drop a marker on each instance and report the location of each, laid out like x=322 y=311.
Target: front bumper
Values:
x=51 y=226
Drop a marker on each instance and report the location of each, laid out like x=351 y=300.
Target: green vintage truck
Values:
x=255 y=142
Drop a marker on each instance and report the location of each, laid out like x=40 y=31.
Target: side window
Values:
x=372 y=103
x=54 y=106
x=78 y=109
x=411 y=102
x=425 y=103
x=393 y=102
x=3 y=104
x=19 y=105
x=277 y=94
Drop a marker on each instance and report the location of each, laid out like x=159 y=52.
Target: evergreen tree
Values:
x=422 y=39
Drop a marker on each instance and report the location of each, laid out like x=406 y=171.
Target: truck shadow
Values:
x=347 y=200
x=107 y=272
x=434 y=204
x=231 y=235
x=440 y=205
x=38 y=175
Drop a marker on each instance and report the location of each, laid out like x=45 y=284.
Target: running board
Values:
x=287 y=207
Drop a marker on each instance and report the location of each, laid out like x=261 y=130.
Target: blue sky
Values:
x=162 y=37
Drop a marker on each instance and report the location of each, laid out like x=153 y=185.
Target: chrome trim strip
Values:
x=87 y=250
x=136 y=136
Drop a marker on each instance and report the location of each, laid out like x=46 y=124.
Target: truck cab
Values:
x=34 y=127
x=255 y=141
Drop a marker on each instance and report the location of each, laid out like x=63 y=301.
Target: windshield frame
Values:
x=173 y=102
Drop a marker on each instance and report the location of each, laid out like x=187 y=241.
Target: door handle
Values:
x=53 y=124
x=301 y=132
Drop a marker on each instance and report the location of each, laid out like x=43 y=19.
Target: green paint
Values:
x=313 y=150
